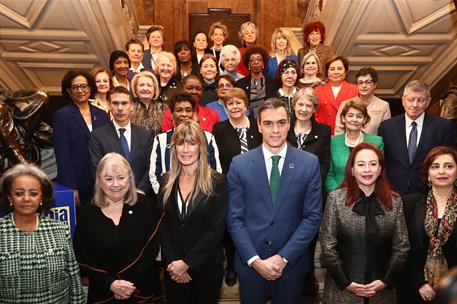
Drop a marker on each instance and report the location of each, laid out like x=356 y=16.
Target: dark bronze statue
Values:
x=22 y=130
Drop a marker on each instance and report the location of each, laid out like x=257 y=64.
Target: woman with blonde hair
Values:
x=116 y=241
x=280 y=50
x=166 y=68
x=218 y=34
x=312 y=71
x=148 y=110
x=194 y=198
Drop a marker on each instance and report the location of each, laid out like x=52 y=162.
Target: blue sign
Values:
x=64 y=207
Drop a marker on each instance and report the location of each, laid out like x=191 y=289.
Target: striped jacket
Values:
x=160 y=157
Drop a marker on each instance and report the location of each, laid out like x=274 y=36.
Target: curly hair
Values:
x=313 y=26
x=255 y=49
x=72 y=74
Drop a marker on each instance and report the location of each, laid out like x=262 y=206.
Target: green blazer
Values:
x=339 y=154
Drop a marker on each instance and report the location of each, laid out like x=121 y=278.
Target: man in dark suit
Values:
x=123 y=137
x=409 y=137
x=274 y=212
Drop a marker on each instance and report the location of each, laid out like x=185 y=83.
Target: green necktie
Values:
x=274 y=176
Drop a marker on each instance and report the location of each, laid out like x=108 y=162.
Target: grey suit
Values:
x=105 y=139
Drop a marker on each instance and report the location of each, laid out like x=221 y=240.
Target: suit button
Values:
x=183 y=225
x=272 y=223
x=266 y=243
x=328 y=114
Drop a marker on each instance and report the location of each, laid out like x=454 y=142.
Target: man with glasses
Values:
x=410 y=136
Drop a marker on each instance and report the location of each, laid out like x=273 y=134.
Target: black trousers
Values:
x=203 y=289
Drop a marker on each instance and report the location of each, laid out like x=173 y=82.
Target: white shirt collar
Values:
x=419 y=121
x=267 y=154
x=127 y=128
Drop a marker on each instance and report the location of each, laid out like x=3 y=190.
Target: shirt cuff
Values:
x=285 y=261
x=251 y=260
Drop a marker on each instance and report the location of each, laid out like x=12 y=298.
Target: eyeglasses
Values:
x=225 y=86
x=254 y=60
x=76 y=87
x=367 y=82
x=21 y=194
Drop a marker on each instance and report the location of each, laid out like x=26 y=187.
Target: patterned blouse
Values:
x=38 y=266
x=148 y=117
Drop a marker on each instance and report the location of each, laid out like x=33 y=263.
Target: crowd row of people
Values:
x=147 y=147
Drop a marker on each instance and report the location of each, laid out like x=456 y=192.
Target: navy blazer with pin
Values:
x=71 y=137
x=106 y=139
x=259 y=226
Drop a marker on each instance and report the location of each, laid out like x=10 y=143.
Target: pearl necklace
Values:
x=36 y=224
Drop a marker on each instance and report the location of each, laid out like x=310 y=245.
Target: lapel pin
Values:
x=291 y=166
x=315 y=136
x=130 y=212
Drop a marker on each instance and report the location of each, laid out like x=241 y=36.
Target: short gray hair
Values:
x=306 y=93
x=417 y=86
x=7 y=179
x=106 y=162
x=228 y=50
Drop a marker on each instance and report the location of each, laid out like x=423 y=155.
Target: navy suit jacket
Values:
x=71 y=137
x=404 y=176
x=286 y=227
x=105 y=140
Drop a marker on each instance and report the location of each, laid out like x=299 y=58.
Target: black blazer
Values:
x=404 y=176
x=105 y=139
x=317 y=142
x=413 y=274
x=196 y=239
x=228 y=142
x=271 y=86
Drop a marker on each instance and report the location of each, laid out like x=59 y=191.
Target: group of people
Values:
x=211 y=161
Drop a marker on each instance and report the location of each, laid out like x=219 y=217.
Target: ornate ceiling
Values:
x=402 y=39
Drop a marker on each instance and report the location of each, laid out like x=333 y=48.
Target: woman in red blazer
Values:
x=332 y=94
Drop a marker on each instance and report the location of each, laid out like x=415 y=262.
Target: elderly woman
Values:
x=354 y=116
x=305 y=133
x=166 y=66
x=257 y=86
x=314 y=36
x=229 y=59
x=72 y=127
x=248 y=34
x=209 y=73
x=155 y=37
x=147 y=110
x=194 y=198
x=287 y=76
x=224 y=84
x=116 y=241
x=104 y=82
x=363 y=234
x=119 y=64
x=200 y=43
x=205 y=116
x=186 y=63
x=431 y=221
x=37 y=263
x=218 y=34
x=280 y=50
x=311 y=69
x=334 y=92
x=236 y=135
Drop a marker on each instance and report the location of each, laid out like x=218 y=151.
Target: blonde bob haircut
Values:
x=189 y=131
x=218 y=25
x=112 y=160
x=170 y=56
x=145 y=74
x=281 y=33
x=319 y=67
